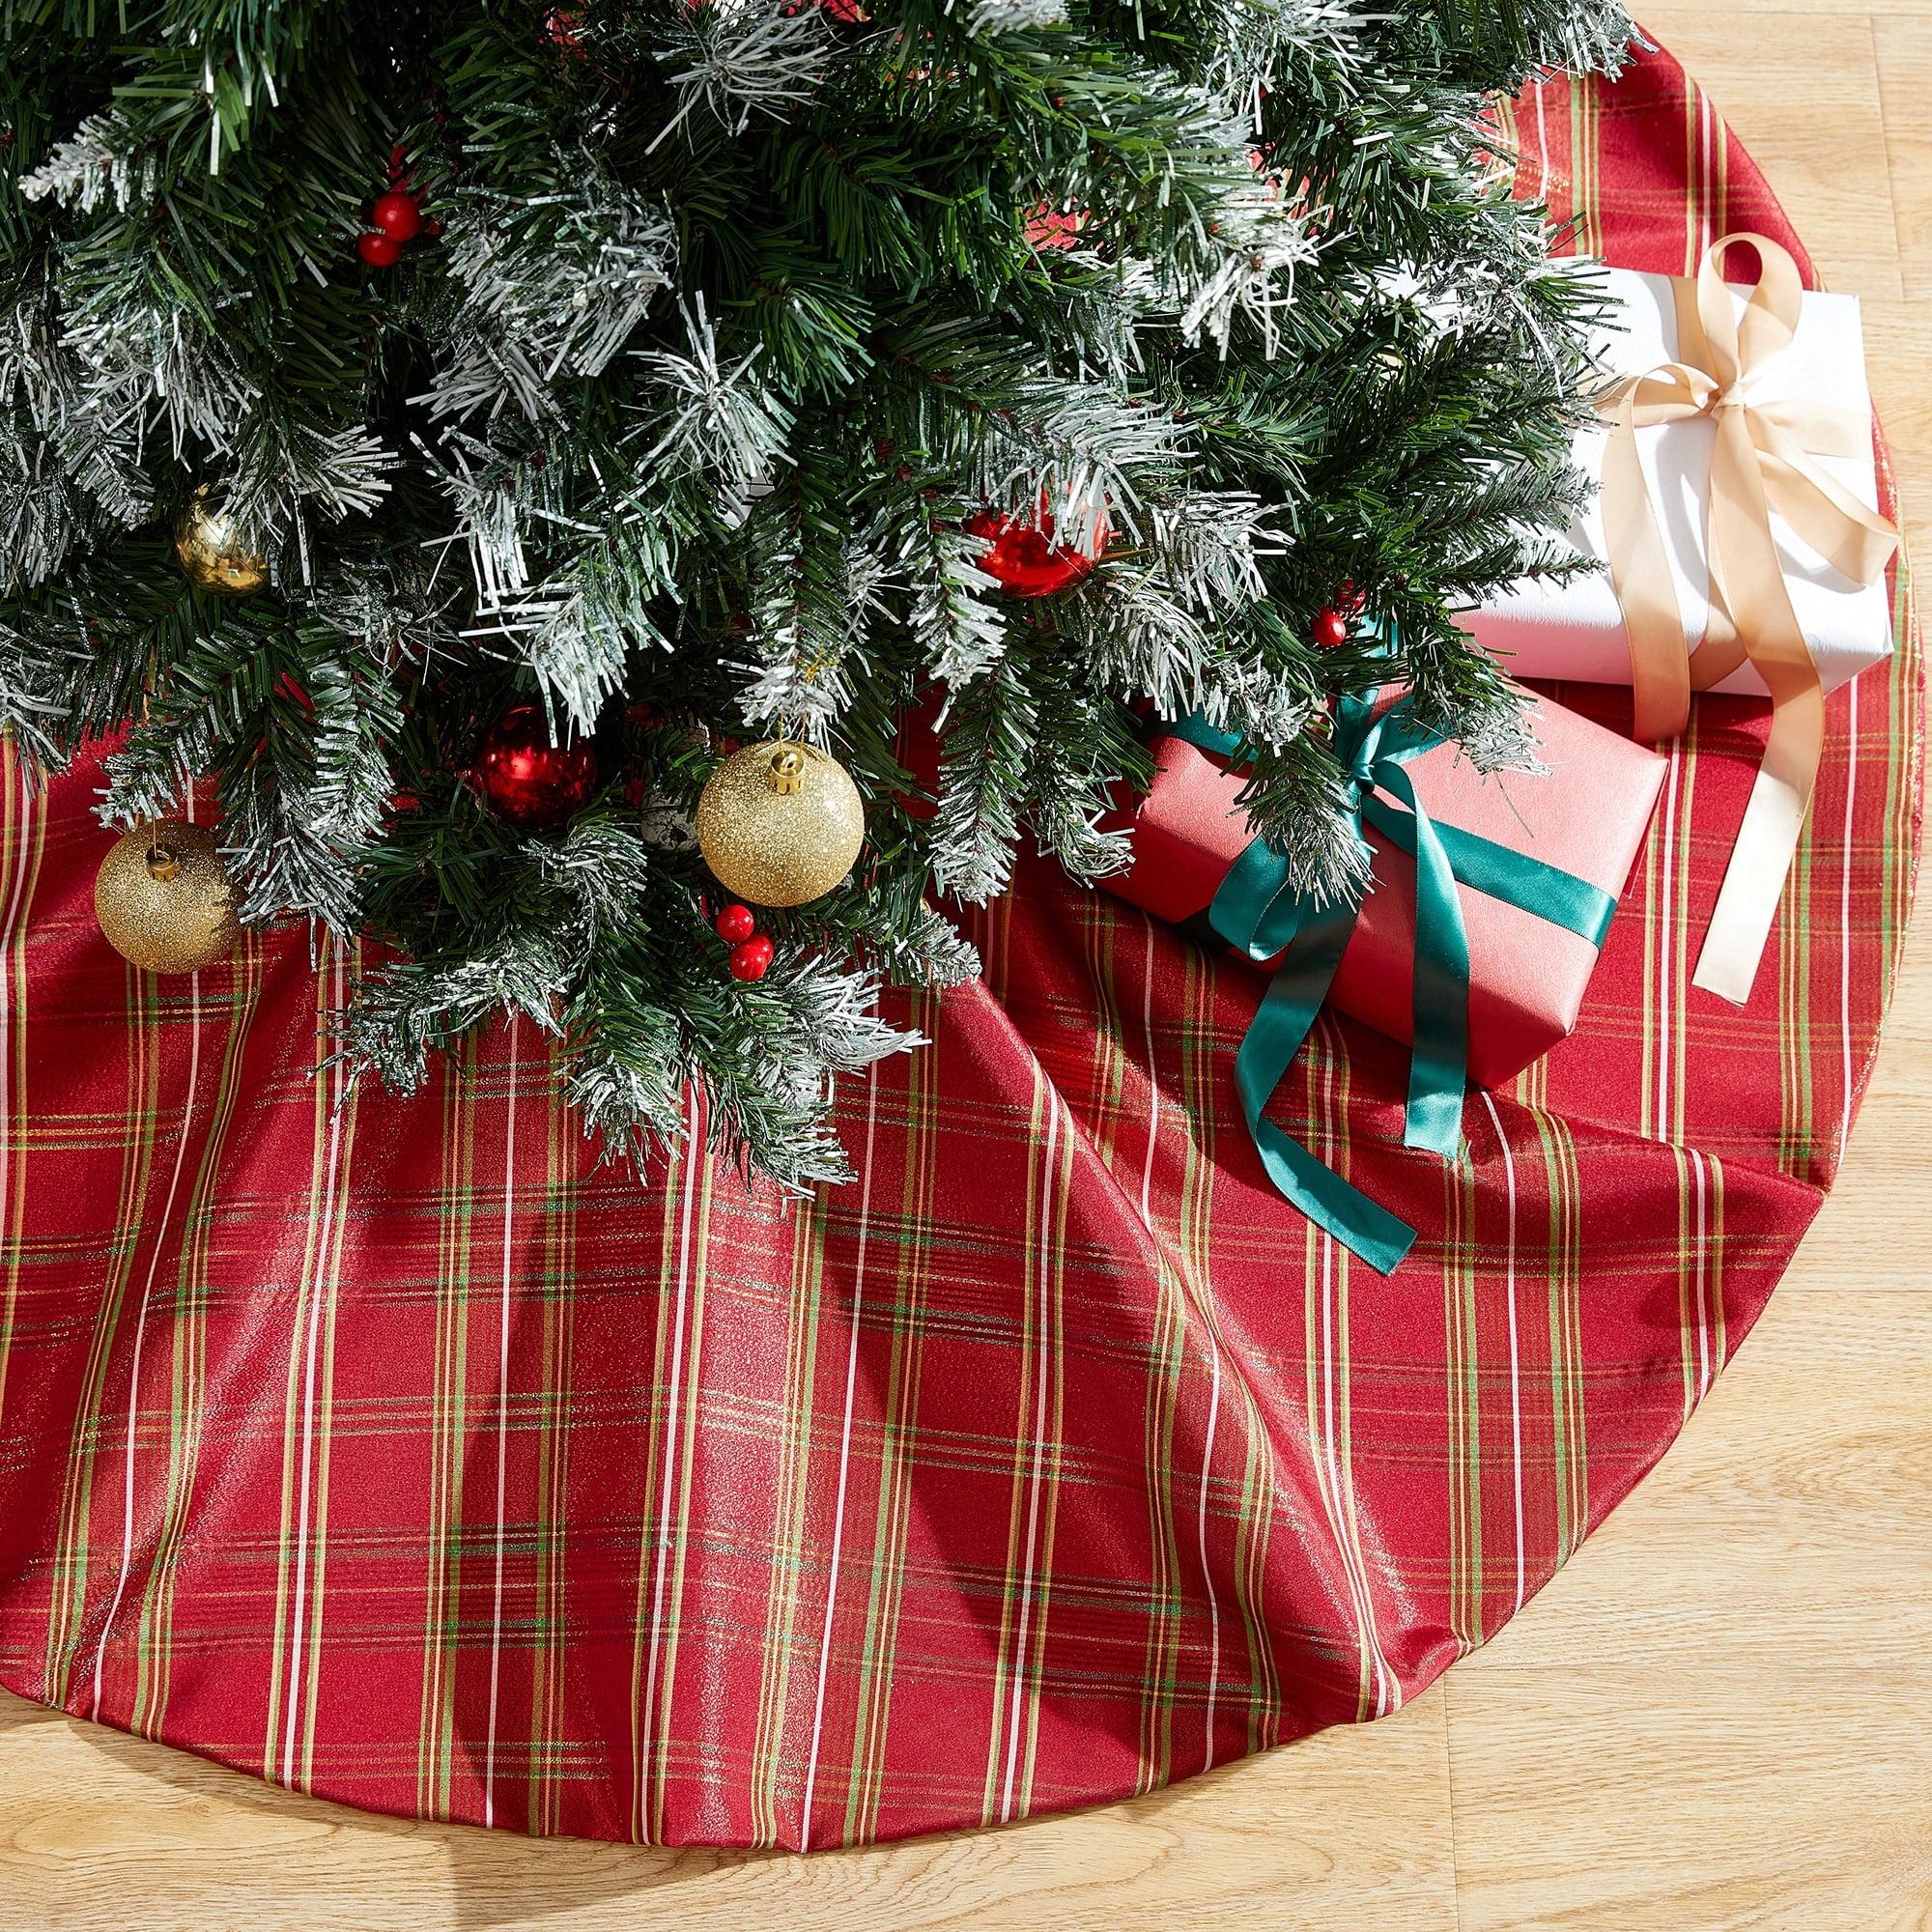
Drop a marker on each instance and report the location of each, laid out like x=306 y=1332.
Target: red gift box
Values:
x=1587 y=813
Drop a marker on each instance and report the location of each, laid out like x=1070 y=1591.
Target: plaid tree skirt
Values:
x=389 y=1452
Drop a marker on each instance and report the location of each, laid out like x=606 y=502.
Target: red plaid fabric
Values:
x=388 y=1451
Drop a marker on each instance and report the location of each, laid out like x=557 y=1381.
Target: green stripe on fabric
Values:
x=773 y=1788
x=679 y=1177
x=1044 y=1127
x=1464 y=1402
x=189 y=1348
x=1905 y=700
x=1795 y=1146
x=704 y=1171
x=1564 y=1268
x=551 y=1742
x=448 y=1431
x=68 y=1594
x=23 y=833
x=1054 y=1308
x=899 y=1430
x=1205 y=1077
x=331 y=1290
x=1119 y=1042
x=1682 y=938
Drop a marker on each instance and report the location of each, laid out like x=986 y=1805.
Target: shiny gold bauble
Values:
x=165 y=899
x=211 y=554
x=780 y=823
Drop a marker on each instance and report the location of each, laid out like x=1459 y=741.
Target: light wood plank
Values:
x=1823 y=15
x=1802 y=92
x=1715 y=1717
x=1903 y=45
x=1352 y=1827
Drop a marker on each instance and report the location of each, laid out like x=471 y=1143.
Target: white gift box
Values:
x=1576 y=630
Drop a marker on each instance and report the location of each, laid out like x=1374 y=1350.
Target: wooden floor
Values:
x=1719 y=1715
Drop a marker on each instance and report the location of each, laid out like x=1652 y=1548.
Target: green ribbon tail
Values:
x=1254 y=912
x=1268 y=1050
x=1439 y=1061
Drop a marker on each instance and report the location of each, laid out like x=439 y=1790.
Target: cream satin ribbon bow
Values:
x=1761 y=462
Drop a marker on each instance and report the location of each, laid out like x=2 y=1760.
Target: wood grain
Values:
x=1719 y=1715
x=99 y=1831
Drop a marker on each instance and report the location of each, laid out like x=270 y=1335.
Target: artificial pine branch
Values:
x=734 y=316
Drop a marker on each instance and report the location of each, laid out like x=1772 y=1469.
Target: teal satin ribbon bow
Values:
x=1255 y=909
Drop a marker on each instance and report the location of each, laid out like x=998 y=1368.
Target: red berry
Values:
x=1349 y=600
x=1329 y=629
x=398 y=215
x=398 y=161
x=380 y=251
x=751 y=960
x=735 y=924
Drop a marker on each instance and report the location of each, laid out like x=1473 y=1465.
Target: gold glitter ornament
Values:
x=211 y=555
x=780 y=824
x=165 y=899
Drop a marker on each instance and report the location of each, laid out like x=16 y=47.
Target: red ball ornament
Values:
x=398 y=215
x=1329 y=629
x=751 y=960
x=1022 y=558
x=380 y=251
x=528 y=781
x=564 y=28
x=736 y=924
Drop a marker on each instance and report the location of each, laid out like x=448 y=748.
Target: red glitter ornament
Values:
x=1022 y=559
x=527 y=780
x=1329 y=629
x=398 y=214
x=380 y=251
x=751 y=960
x=736 y=924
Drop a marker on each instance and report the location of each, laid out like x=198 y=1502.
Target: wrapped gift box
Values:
x=1576 y=630
x=1586 y=814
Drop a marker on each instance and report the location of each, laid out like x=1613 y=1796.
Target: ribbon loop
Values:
x=1762 y=460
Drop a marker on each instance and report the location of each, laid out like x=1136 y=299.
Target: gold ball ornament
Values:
x=211 y=554
x=164 y=900
x=780 y=824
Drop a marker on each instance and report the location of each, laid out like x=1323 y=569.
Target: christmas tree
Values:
x=442 y=435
